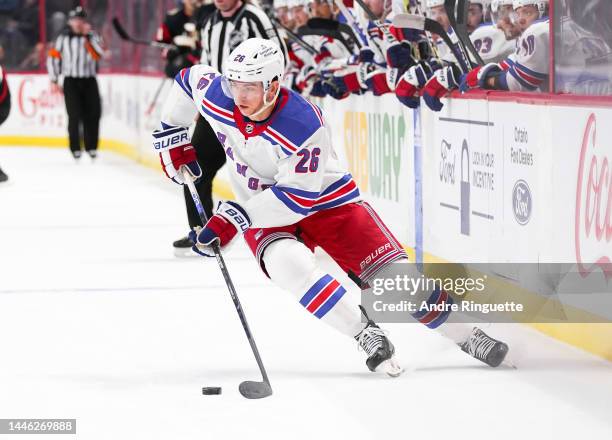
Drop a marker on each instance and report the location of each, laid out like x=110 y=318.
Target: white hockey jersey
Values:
x=281 y=170
x=491 y=43
x=527 y=68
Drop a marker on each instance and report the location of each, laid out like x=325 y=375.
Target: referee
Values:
x=232 y=22
x=73 y=64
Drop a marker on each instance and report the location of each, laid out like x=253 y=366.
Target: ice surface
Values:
x=99 y=322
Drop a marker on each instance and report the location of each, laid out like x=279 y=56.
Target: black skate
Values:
x=3 y=176
x=92 y=153
x=182 y=248
x=77 y=154
x=373 y=340
x=484 y=348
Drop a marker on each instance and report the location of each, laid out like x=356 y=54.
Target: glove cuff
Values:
x=235 y=214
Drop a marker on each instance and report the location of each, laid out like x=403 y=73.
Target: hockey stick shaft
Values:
x=188 y=178
x=419 y=22
x=462 y=32
x=156 y=96
x=449 y=7
x=377 y=22
x=359 y=34
x=293 y=36
x=127 y=37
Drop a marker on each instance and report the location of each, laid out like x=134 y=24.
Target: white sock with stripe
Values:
x=292 y=266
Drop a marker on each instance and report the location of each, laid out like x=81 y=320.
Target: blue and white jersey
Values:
x=491 y=43
x=527 y=68
x=281 y=170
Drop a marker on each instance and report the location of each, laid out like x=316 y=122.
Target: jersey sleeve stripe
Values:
x=338 y=201
x=347 y=187
x=520 y=80
x=530 y=72
x=337 y=184
x=300 y=192
x=289 y=203
x=180 y=79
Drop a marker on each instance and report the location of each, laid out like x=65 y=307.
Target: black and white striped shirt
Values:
x=220 y=35
x=74 y=56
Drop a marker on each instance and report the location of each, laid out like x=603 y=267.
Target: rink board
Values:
x=502 y=181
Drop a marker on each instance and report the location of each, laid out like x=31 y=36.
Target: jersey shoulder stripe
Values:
x=215 y=95
x=297 y=121
x=218 y=106
x=182 y=79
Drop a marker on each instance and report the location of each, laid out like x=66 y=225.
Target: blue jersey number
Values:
x=206 y=79
x=313 y=157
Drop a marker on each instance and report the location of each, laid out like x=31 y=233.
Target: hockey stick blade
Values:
x=126 y=37
x=409 y=21
x=334 y=27
x=255 y=390
x=120 y=30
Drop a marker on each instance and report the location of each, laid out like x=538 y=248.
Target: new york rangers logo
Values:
x=249 y=128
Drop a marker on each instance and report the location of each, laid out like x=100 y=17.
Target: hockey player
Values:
x=179 y=28
x=527 y=68
x=5 y=109
x=450 y=77
x=490 y=40
x=292 y=195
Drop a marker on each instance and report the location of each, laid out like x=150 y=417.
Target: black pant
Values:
x=211 y=157
x=84 y=109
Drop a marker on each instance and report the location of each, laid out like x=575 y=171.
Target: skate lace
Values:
x=370 y=339
x=480 y=345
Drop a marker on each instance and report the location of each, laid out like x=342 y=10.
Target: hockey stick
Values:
x=293 y=36
x=157 y=93
x=126 y=37
x=333 y=25
x=377 y=21
x=449 y=7
x=335 y=34
x=359 y=34
x=419 y=22
x=393 y=72
x=462 y=32
x=269 y=10
x=249 y=389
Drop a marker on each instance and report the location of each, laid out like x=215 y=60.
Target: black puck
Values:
x=211 y=390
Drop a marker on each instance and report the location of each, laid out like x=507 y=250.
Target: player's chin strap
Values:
x=266 y=103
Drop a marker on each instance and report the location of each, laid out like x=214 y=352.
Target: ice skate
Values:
x=484 y=348
x=373 y=340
